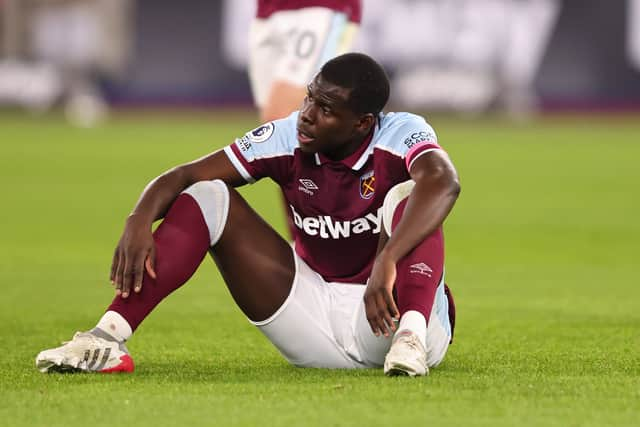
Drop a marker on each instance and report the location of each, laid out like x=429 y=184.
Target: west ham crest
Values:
x=367 y=185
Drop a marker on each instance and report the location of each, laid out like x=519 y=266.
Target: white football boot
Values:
x=94 y=351
x=407 y=356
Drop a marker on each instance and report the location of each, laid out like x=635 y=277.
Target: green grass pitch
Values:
x=543 y=255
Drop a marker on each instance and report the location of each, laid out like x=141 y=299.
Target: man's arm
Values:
x=432 y=198
x=135 y=250
x=436 y=190
x=158 y=195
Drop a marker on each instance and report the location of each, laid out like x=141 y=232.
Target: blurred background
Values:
x=468 y=56
x=536 y=101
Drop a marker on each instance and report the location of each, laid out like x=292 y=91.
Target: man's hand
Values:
x=378 y=298
x=134 y=253
x=136 y=249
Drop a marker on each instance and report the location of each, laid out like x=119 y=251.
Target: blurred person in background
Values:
x=59 y=50
x=289 y=40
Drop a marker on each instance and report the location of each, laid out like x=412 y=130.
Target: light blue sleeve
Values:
x=259 y=152
x=401 y=132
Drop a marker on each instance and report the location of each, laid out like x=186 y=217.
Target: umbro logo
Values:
x=421 y=268
x=307 y=186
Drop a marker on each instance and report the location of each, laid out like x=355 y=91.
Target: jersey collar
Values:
x=356 y=160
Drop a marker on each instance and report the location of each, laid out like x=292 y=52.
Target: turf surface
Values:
x=542 y=256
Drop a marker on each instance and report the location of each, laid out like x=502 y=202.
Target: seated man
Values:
x=363 y=285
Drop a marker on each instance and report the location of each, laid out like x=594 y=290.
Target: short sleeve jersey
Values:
x=336 y=206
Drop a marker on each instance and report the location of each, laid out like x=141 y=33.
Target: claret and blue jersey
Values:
x=335 y=205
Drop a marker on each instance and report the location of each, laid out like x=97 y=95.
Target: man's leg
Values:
x=424 y=332
x=256 y=263
x=284 y=98
x=265 y=51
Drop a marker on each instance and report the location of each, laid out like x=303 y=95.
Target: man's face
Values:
x=326 y=123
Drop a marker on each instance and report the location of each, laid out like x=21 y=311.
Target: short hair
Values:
x=366 y=78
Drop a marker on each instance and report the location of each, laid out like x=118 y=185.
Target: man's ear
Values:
x=365 y=123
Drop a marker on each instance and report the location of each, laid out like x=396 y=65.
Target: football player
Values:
x=288 y=42
x=363 y=284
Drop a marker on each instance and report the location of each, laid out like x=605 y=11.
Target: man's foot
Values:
x=94 y=351
x=407 y=356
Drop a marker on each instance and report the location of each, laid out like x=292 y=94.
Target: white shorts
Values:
x=324 y=325
x=292 y=46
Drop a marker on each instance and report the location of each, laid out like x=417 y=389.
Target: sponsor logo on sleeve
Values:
x=243 y=143
x=367 y=185
x=418 y=137
x=261 y=133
